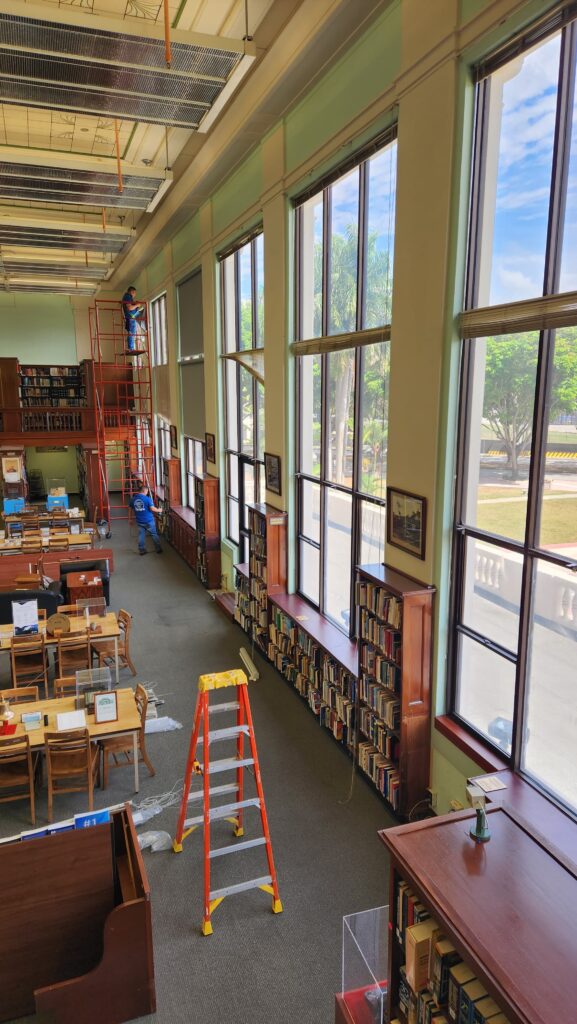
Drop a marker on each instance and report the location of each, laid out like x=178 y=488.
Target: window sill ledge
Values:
x=482 y=755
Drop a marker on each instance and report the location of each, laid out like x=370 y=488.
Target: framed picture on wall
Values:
x=406 y=521
x=210 y=447
x=272 y=473
x=173 y=437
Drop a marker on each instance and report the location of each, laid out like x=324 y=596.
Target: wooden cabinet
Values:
x=9 y=395
x=394 y=619
x=171 y=482
x=207 y=510
x=182 y=534
x=508 y=906
x=267 y=565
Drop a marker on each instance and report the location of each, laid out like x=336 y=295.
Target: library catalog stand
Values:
x=75 y=929
x=508 y=906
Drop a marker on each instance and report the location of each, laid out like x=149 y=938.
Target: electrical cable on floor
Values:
x=153 y=805
x=349 y=797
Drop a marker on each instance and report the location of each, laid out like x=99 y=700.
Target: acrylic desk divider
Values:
x=364 y=967
x=91 y=607
x=90 y=681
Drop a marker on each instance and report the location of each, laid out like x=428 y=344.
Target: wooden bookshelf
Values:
x=55 y=386
x=206 y=503
x=507 y=906
x=196 y=534
x=267 y=565
x=242 y=597
x=394 y=618
x=318 y=660
x=171 y=483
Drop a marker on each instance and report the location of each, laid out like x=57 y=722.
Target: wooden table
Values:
x=127 y=724
x=83 y=585
x=13 y=545
x=13 y=521
x=108 y=623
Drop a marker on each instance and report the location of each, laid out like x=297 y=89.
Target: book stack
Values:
x=242 y=602
x=329 y=690
x=435 y=985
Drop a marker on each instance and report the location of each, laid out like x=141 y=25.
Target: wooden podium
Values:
x=75 y=929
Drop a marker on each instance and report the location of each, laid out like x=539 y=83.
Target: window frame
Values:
x=529 y=549
x=256 y=457
x=323 y=347
x=193 y=446
x=159 y=326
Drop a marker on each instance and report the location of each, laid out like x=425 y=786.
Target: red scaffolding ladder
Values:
x=123 y=407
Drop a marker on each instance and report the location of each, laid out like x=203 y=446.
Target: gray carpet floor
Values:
x=257 y=968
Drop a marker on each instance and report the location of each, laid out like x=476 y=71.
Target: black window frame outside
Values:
x=162 y=446
x=358 y=496
x=190 y=473
x=243 y=458
x=530 y=551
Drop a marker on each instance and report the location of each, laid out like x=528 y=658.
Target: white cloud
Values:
x=509 y=199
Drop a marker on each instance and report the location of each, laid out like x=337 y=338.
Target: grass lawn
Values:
x=558 y=521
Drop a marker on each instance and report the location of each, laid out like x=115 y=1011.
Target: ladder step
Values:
x=224 y=811
x=229 y=890
x=237 y=847
x=225 y=734
x=215 y=709
x=230 y=787
x=229 y=763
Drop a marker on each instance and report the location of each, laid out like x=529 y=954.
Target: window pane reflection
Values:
x=310 y=415
x=373 y=526
x=558 y=525
x=486 y=701
x=550 y=751
x=245 y=296
x=492 y=592
x=521 y=129
x=499 y=441
x=310 y=510
x=382 y=183
x=375 y=419
x=309 y=571
x=344 y=246
x=338 y=557
x=341 y=399
x=311 y=272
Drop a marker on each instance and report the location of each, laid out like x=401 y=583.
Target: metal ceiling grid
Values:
x=60 y=185
x=68 y=270
x=54 y=238
x=54 y=289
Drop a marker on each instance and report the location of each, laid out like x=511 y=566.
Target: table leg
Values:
x=116 y=659
x=135 y=755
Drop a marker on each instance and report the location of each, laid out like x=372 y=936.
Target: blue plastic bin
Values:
x=56 y=501
x=12 y=505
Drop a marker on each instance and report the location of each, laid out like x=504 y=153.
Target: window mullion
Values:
x=561 y=157
x=326 y=289
x=362 y=245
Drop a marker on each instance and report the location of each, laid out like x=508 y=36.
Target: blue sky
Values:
x=523 y=97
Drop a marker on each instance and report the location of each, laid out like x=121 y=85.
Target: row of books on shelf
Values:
x=49 y=371
x=435 y=984
x=381 y=770
x=380 y=602
x=54 y=403
x=257 y=525
x=258 y=546
x=389 y=640
x=384 y=740
x=382 y=701
x=380 y=668
x=257 y=568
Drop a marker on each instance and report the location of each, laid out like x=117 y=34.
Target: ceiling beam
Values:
x=133 y=28
x=78 y=162
x=9 y=218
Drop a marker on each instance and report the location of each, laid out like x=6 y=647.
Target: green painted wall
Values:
x=156 y=272
x=238 y=193
x=37 y=328
x=186 y=242
x=352 y=85
x=55 y=465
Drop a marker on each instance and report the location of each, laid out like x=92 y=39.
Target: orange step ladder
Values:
x=233 y=811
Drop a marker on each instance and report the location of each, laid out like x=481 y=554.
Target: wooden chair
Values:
x=73 y=654
x=31 y=581
x=19 y=769
x=65 y=687
x=30 y=524
x=31 y=544
x=121 y=746
x=73 y=764
x=104 y=651
x=59 y=543
x=29 y=661
x=20 y=694
x=68 y=609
